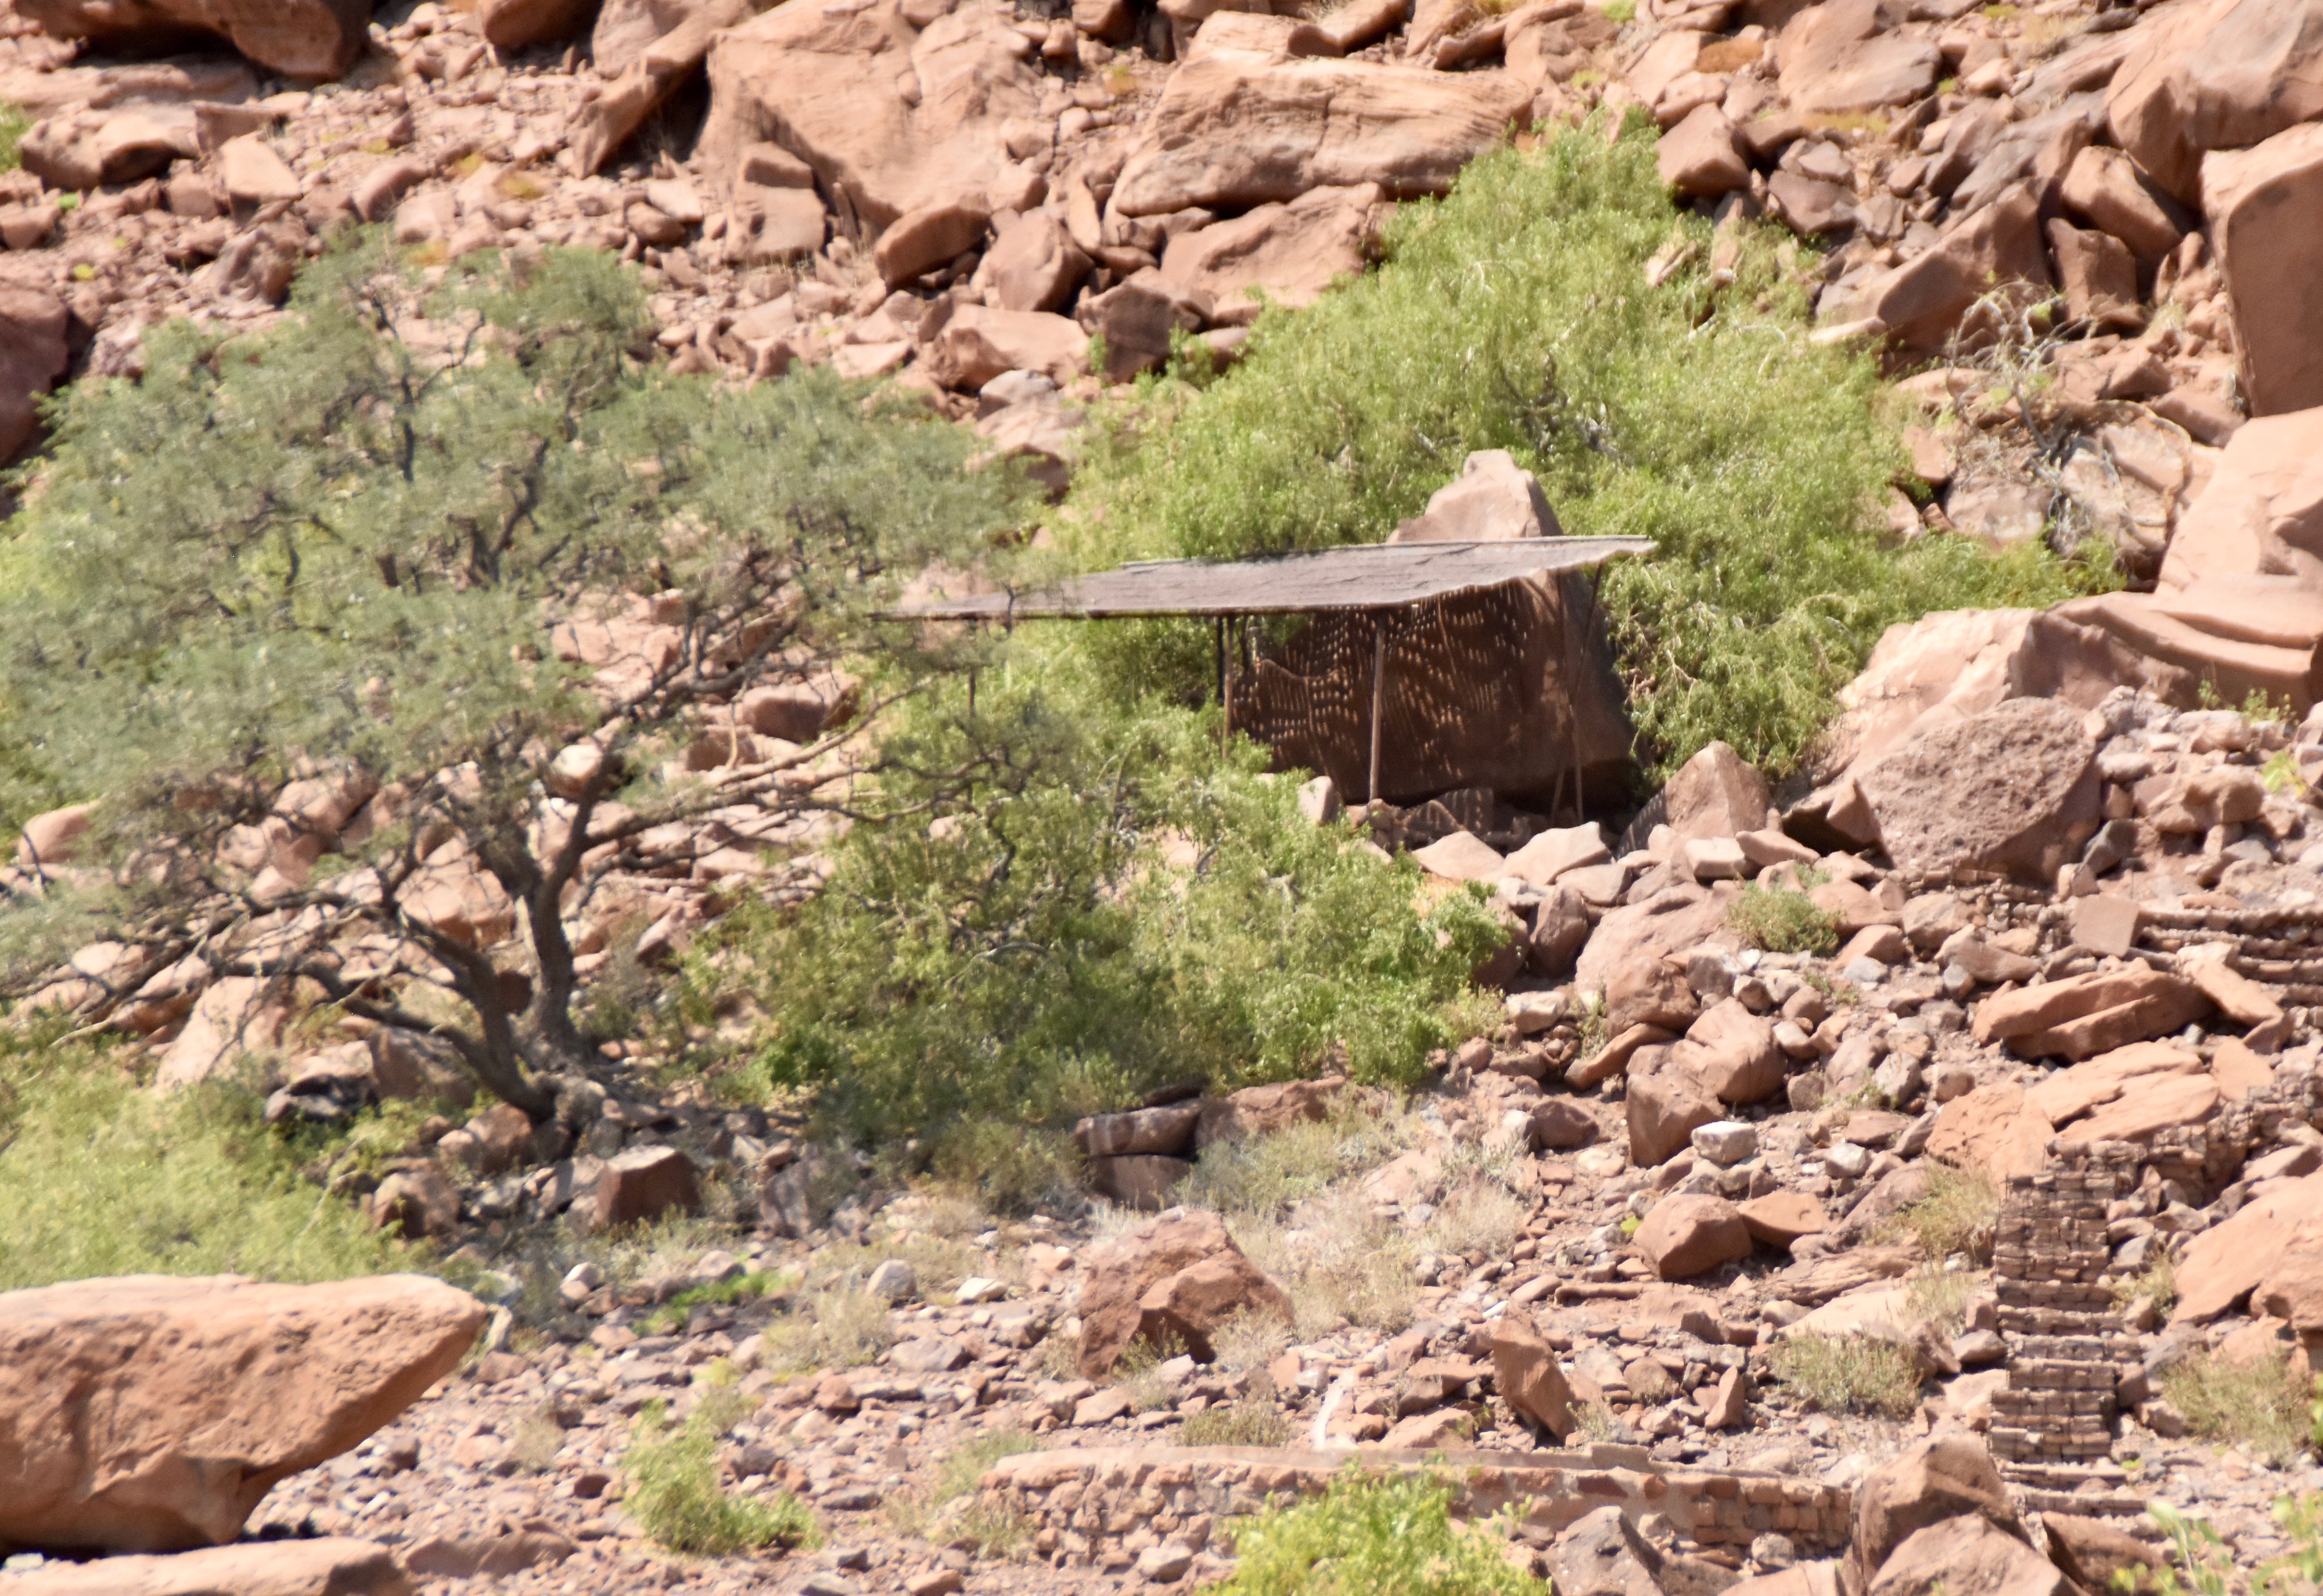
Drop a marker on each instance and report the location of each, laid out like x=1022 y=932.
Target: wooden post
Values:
x=1379 y=700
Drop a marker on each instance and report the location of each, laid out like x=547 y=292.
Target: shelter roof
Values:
x=1361 y=576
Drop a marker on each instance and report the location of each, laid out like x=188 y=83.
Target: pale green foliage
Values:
x=1854 y=1374
x=1782 y=919
x=13 y=125
x=1957 y=1216
x=913 y=1512
x=1515 y=315
x=1038 y=957
x=2255 y=1403
x=100 y=1177
x=1364 y=1536
x=675 y=1495
x=325 y=543
x=1251 y=1421
x=1265 y=1175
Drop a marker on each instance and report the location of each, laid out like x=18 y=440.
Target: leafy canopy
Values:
x=1516 y=315
x=343 y=549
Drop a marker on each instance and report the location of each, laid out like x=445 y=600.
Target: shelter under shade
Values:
x=1468 y=653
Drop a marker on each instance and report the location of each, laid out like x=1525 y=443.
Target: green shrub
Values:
x=1782 y=919
x=675 y=1495
x=1265 y=1175
x=1957 y=1216
x=13 y=125
x=100 y=1177
x=1364 y=1536
x=671 y=1315
x=1514 y=314
x=1246 y=1423
x=1854 y=1374
x=1038 y=955
x=2255 y=1403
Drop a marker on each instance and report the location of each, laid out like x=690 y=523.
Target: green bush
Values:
x=13 y=125
x=1250 y=1422
x=1855 y=1374
x=2256 y=1403
x=675 y=1495
x=1782 y=920
x=1366 y=1536
x=100 y=1177
x=1038 y=955
x=1514 y=314
x=1957 y=1216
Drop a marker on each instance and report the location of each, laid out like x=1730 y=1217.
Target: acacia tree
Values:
x=285 y=613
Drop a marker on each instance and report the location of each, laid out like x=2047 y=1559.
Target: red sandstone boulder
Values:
x=1967 y=1553
x=1731 y=1051
x=148 y=1413
x=1943 y=1478
x=1236 y=131
x=1665 y=1103
x=331 y=1566
x=1925 y=302
x=2218 y=75
x=2263 y=206
x=2085 y=1015
x=1782 y=1217
x=1684 y=1236
x=1715 y=793
x=2011 y=791
x=644 y=1183
x=1992 y=1128
x=1846 y=56
x=1179 y=1274
x=1697 y=158
x=1290 y=251
x=1527 y=1374
x=1261 y=1111
x=33 y=356
x=297 y=37
x=1033 y=263
x=2226 y=1262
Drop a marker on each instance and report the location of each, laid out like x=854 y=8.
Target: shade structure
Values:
x=1363 y=577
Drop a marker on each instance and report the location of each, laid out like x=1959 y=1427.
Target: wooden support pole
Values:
x=1379 y=701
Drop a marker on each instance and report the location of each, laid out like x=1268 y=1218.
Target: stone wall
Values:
x=1105 y=1505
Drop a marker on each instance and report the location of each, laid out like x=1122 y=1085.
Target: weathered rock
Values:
x=2098 y=275
x=1551 y=853
x=1731 y=1051
x=1559 y=1124
x=2104 y=186
x=1033 y=263
x=2071 y=1094
x=1120 y=1277
x=2013 y=790
x=891 y=117
x=1664 y=1104
x=1137 y=319
x=2261 y=206
x=1141 y=1180
x=1697 y=158
x=1848 y=55
x=33 y=356
x=1782 y=1217
x=1925 y=302
x=1943 y=1478
x=1649 y=992
x=510 y=25
x=1235 y=131
x=1684 y=1236
x=624 y=28
x=148 y=1413
x=1169 y=1130
x=297 y=37
x=929 y=236
x=2220 y=74
x=1289 y=251
x=1261 y=1111
x=1967 y=1553
x=1493 y=499
x=467 y=1556
x=2170 y=1103
x=2084 y=1015
x=1994 y=1130
x=417 y=1202
x=1560 y=930
x=2224 y=1264
x=978 y=344
x=605 y=123
x=1461 y=857
x=2090 y=1552
x=328 y=1566
x=1527 y=1374
x=644 y=1183
x=1604 y=1555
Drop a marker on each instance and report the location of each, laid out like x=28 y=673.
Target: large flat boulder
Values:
x=1846 y=56
x=2071 y=1094
x=311 y=38
x=2217 y=75
x=331 y=1566
x=1238 y=130
x=149 y=1413
x=2226 y=1264
x=2262 y=512
x=1289 y=251
x=1992 y=1128
x=2265 y=209
x=891 y=118
x=2013 y=791
x=2084 y=1015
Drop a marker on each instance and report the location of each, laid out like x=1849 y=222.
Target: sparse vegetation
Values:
x=1366 y=1536
x=2254 y=1403
x=2157 y=1282
x=100 y=1177
x=1249 y=1422
x=671 y=1315
x=835 y=1325
x=1264 y=1176
x=1957 y=1216
x=1782 y=919
x=675 y=1495
x=1340 y=1265
x=914 y=1513
x=1855 y=1374
x=13 y=125
x=1939 y=1298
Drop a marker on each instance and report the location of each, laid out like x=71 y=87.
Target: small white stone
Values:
x=1725 y=1142
x=977 y=1288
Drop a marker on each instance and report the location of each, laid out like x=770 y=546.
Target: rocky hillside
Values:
x=1896 y=1177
